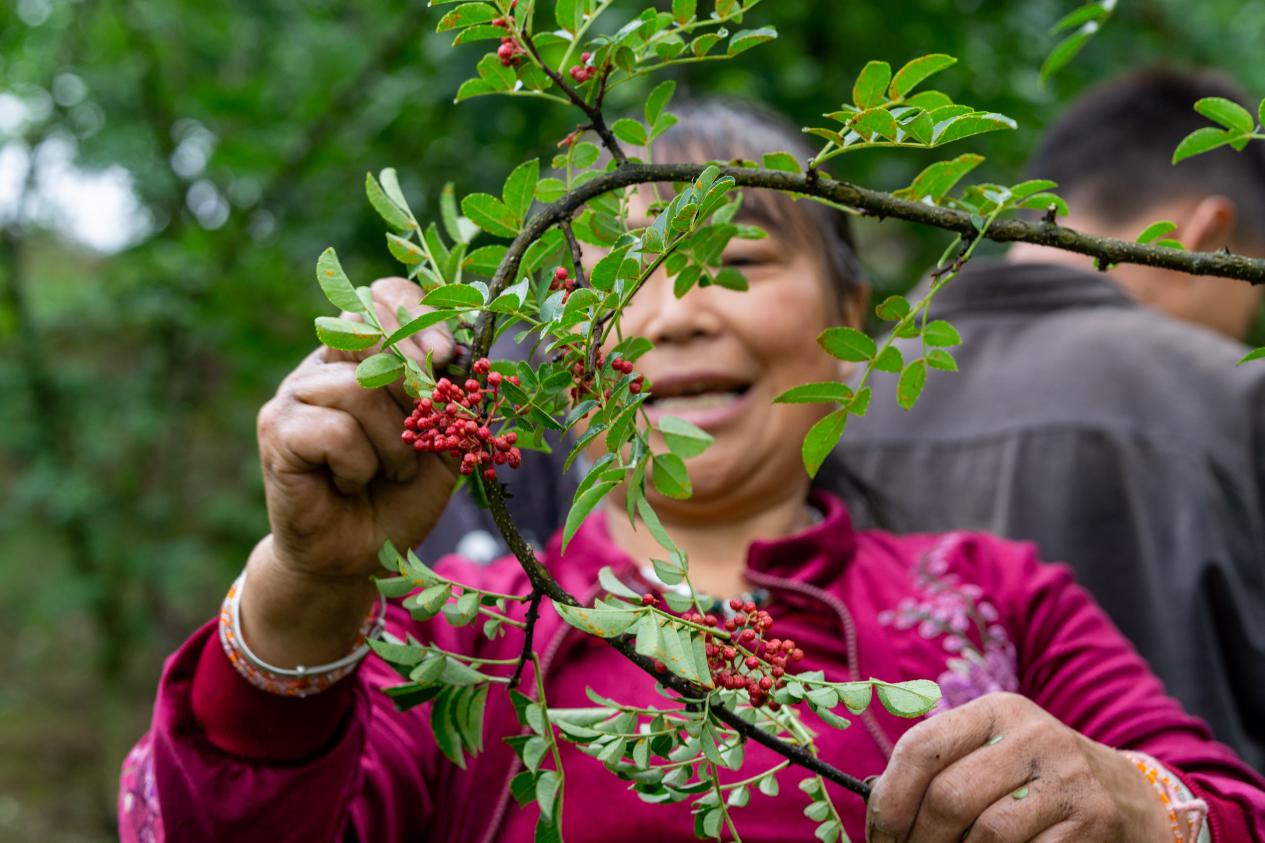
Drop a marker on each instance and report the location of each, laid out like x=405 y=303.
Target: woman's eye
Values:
x=742 y=260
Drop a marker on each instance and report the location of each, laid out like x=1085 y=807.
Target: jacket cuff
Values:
x=251 y=723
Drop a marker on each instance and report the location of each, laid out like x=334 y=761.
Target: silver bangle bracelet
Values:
x=371 y=628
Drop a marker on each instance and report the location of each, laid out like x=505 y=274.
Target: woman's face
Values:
x=721 y=357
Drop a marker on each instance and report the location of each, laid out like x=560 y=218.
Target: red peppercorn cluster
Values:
x=562 y=280
x=583 y=71
x=458 y=419
x=750 y=661
x=584 y=379
x=510 y=52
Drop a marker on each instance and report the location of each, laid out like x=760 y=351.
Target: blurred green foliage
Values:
x=129 y=380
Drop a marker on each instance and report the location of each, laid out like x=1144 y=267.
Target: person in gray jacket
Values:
x=1122 y=441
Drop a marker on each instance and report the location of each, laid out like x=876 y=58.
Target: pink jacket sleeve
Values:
x=226 y=761
x=1078 y=667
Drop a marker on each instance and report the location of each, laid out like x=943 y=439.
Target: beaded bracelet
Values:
x=300 y=681
x=1186 y=815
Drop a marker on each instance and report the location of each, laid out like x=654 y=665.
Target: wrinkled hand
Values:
x=338 y=479
x=1001 y=769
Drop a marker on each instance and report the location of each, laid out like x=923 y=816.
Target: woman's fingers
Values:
x=299 y=439
x=919 y=757
x=1029 y=813
x=334 y=386
x=1000 y=771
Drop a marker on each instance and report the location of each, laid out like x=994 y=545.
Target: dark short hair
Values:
x=727 y=129
x=1111 y=151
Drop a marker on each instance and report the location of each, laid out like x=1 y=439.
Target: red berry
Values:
x=729 y=653
x=560 y=273
x=797 y=655
x=766 y=683
x=735 y=604
x=489 y=474
x=752 y=662
x=748 y=635
x=748 y=607
x=649 y=600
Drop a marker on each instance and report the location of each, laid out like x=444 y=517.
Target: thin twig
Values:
x=529 y=632
x=577 y=256
x=593 y=112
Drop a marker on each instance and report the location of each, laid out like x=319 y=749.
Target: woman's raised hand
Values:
x=339 y=482
x=1000 y=769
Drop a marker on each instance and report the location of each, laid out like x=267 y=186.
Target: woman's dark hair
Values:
x=728 y=129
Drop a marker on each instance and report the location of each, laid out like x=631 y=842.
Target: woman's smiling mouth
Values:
x=704 y=399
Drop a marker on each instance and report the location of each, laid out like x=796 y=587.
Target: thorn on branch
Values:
x=1225 y=250
x=529 y=631
x=1102 y=264
x=1051 y=215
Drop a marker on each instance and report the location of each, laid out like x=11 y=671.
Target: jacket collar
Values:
x=816 y=555
x=996 y=285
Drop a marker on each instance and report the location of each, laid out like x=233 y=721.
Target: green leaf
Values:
x=335 y=284
x=871 y=85
x=875 y=123
x=658 y=98
x=908 y=699
x=520 y=188
x=490 y=214
x=916 y=72
x=344 y=334
x=629 y=131
x=1156 y=230
x=892 y=308
x=614 y=585
x=464 y=610
x=731 y=278
x=940 y=334
x=379 y=370
x=939 y=178
x=547 y=791
x=523 y=788
x=649 y=642
x=1078 y=17
x=826 y=392
x=405 y=251
x=678 y=652
x=682 y=11
x=768 y=785
x=460 y=229
x=683 y=438
x=856 y=696
x=670 y=477
x=413 y=326
x=817 y=811
x=453 y=295
x=828 y=831
x=606 y=623
x=581 y=507
x=473 y=88
x=938 y=358
x=470 y=718
x=433 y=598
x=393 y=214
x=969 y=125
x=494 y=74
x=569 y=14
x=784 y=161
x=550 y=189
x=467 y=14
x=1228 y=113
x=1255 y=354
x=1066 y=50
x=847 y=344
x=1201 y=141
x=912 y=380
x=889 y=360
x=1043 y=202
x=745 y=39
x=442 y=724
x=821 y=440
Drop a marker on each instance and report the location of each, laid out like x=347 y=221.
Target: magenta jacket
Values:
x=224 y=761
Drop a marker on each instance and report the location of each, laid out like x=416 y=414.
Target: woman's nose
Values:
x=666 y=319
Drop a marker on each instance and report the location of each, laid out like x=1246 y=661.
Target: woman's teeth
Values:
x=687 y=403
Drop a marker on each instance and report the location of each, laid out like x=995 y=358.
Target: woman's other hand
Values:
x=1001 y=769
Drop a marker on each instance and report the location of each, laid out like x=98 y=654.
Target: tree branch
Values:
x=529 y=633
x=870 y=203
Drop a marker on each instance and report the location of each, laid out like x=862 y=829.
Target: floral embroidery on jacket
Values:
x=983 y=659
x=140 y=820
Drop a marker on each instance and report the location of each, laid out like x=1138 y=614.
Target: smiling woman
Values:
x=1059 y=734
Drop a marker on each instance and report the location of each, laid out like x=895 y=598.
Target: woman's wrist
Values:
x=291 y=617
x=1144 y=815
